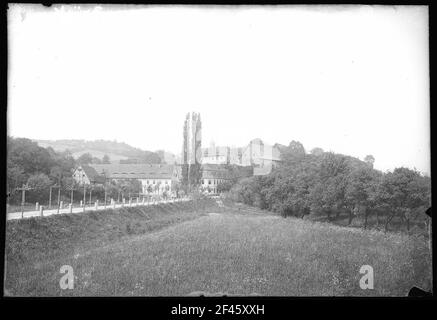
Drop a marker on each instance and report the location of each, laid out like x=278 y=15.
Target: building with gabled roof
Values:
x=85 y=174
x=155 y=177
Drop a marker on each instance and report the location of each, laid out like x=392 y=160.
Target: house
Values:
x=87 y=175
x=213 y=175
x=154 y=178
x=215 y=154
x=262 y=156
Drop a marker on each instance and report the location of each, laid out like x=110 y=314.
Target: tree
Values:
x=317 y=151
x=224 y=186
x=360 y=191
x=25 y=159
x=328 y=195
x=129 y=186
x=333 y=165
x=96 y=160
x=149 y=188
x=28 y=156
x=56 y=173
x=294 y=152
x=157 y=187
x=176 y=186
x=106 y=159
x=39 y=181
x=15 y=177
x=370 y=160
x=401 y=191
x=40 y=184
x=85 y=159
x=296 y=147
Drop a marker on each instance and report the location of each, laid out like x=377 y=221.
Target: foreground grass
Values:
x=228 y=251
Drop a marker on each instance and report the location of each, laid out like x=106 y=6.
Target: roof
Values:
x=135 y=171
x=92 y=174
x=89 y=171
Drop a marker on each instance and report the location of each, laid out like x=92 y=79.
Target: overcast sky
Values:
x=350 y=79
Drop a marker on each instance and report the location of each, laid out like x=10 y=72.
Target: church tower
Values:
x=191 y=150
x=192 y=142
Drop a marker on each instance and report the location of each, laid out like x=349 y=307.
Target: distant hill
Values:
x=98 y=148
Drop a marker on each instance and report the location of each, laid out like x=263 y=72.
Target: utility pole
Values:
x=59 y=193
x=91 y=190
x=71 y=189
x=104 y=186
x=84 y=196
x=23 y=189
x=50 y=196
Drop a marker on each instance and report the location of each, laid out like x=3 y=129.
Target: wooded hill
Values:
x=116 y=151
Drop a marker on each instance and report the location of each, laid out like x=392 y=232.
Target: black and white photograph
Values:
x=217 y=150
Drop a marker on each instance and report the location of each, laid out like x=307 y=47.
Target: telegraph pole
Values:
x=104 y=186
x=59 y=194
x=50 y=196
x=91 y=190
x=23 y=189
x=71 y=189
x=84 y=196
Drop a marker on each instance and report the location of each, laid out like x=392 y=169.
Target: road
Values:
x=29 y=214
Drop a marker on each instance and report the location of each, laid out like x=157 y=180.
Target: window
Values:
x=209 y=181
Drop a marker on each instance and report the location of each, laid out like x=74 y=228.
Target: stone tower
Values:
x=192 y=140
x=191 y=151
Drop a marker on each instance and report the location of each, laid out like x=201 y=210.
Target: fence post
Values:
x=41 y=211
x=113 y=203
x=61 y=204
x=96 y=205
x=81 y=203
x=130 y=202
x=71 y=207
x=37 y=206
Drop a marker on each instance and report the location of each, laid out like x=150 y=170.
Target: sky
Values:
x=348 y=79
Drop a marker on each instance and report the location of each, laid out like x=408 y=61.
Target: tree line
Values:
x=44 y=170
x=334 y=186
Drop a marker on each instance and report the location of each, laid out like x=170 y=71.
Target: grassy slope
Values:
x=229 y=251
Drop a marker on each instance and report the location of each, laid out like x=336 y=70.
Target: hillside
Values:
x=98 y=148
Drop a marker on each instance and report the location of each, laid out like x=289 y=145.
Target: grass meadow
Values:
x=189 y=249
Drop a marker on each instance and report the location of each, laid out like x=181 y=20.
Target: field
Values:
x=201 y=248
